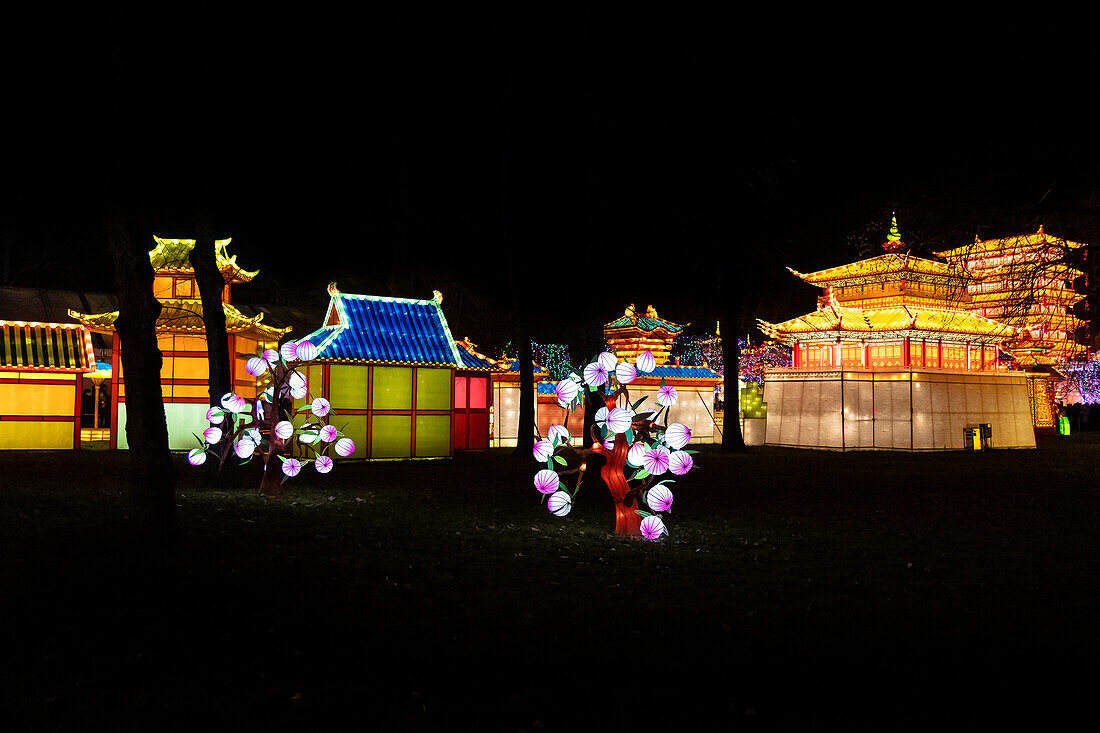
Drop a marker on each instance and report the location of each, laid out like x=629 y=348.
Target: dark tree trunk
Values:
x=211 y=284
x=732 y=439
x=525 y=435
x=152 y=476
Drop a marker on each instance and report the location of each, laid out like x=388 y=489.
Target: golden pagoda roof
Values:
x=175 y=255
x=1021 y=242
x=886 y=264
x=834 y=318
x=179 y=314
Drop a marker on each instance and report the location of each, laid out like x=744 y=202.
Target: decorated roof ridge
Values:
x=884 y=264
x=648 y=323
x=175 y=254
x=512 y=366
x=170 y=317
x=1015 y=241
x=891 y=318
x=475 y=359
x=383 y=329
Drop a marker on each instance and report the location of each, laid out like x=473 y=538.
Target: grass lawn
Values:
x=799 y=590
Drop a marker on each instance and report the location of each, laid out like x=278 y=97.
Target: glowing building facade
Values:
x=893 y=359
x=401 y=386
x=181 y=337
x=42 y=366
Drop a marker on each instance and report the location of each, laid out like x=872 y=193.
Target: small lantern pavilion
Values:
x=632 y=334
x=181 y=336
x=401 y=385
x=893 y=359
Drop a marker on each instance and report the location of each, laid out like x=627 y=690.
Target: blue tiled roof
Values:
x=473 y=362
x=385 y=330
x=546 y=387
x=670 y=371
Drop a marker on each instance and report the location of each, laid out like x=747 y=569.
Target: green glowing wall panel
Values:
x=347 y=387
x=184 y=422
x=393 y=389
x=354 y=427
x=433 y=435
x=391 y=436
x=433 y=389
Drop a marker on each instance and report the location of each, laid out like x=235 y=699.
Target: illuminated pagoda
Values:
x=893 y=359
x=1013 y=285
x=632 y=334
x=42 y=366
x=181 y=337
x=401 y=385
x=1022 y=283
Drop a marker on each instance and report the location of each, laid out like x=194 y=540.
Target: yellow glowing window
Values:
x=162 y=287
x=392 y=388
x=433 y=389
x=347 y=385
x=185 y=287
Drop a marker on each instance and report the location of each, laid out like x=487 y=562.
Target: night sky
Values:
x=641 y=151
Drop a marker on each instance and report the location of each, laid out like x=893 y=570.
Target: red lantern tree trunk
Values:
x=627 y=521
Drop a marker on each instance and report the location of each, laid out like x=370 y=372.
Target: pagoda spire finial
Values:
x=893 y=241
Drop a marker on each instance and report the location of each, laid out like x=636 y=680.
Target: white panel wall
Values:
x=927 y=412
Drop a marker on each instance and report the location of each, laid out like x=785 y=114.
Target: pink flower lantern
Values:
x=212 y=435
x=656 y=460
x=626 y=373
x=329 y=433
x=618 y=420
x=680 y=462
x=320 y=407
x=291 y=467
x=595 y=374
x=558 y=431
x=653 y=528
x=256 y=366
x=344 y=447
x=244 y=447
x=284 y=429
x=559 y=503
x=677 y=435
x=666 y=395
x=196 y=456
x=305 y=351
x=646 y=363
x=543 y=450
x=659 y=498
x=289 y=351
x=323 y=464
x=546 y=481
x=607 y=360
x=566 y=392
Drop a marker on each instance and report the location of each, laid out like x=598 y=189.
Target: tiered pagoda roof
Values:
x=1024 y=281
x=894 y=295
x=172 y=257
x=836 y=321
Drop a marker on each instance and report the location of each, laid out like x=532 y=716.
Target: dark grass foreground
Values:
x=799 y=591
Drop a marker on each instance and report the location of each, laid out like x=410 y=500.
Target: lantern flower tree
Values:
x=639 y=448
x=260 y=429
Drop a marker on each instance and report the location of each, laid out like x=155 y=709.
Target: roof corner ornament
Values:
x=332 y=289
x=437 y=297
x=651 y=312
x=893 y=243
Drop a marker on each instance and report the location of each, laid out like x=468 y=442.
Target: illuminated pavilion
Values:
x=181 y=337
x=892 y=358
x=399 y=382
